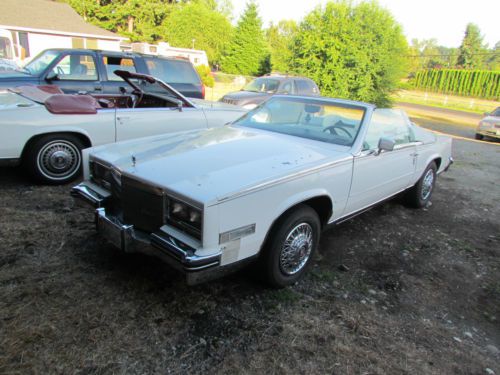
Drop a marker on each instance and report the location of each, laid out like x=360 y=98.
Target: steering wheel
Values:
x=136 y=97
x=60 y=71
x=339 y=125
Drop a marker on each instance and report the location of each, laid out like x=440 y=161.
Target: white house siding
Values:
x=40 y=42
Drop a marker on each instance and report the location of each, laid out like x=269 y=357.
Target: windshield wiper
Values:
x=23 y=70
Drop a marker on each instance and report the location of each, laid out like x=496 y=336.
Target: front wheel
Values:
x=420 y=194
x=54 y=158
x=289 y=250
x=479 y=136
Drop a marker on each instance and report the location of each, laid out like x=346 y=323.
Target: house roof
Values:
x=47 y=15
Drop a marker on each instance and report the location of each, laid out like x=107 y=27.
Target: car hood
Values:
x=243 y=97
x=209 y=165
x=207 y=104
x=491 y=119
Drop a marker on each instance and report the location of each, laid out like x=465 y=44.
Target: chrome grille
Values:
x=143 y=205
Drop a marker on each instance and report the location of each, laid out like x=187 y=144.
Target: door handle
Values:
x=97 y=88
x=123 y=118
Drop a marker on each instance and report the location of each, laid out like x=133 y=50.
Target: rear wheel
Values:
x=289 y=250
x=420 y=194
x=479 y=136
x=54 y=158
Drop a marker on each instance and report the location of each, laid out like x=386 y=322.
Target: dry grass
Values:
x=69 y=303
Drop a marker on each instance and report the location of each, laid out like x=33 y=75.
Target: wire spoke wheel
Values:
x=427 y=184
x=296 y=249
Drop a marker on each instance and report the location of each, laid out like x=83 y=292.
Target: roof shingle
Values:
x=47 y=15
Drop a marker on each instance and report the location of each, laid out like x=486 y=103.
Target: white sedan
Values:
x=45 y=130
x=262 y=188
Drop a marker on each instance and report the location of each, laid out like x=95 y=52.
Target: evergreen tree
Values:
x=469 y=55
x=280 y=37
x=195 y=23
x=247 y=53
x=352 y=51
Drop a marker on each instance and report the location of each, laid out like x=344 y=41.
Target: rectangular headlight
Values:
x=103 y=175
x=184 y=216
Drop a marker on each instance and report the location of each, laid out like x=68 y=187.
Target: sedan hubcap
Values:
x=58 y=159
x=296 y=249
x=427 y=184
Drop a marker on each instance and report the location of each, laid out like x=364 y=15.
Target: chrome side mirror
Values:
x=386 y=144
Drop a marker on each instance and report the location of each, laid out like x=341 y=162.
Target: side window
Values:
x=306 y=87
x=302 y=87
x=388 y=123
x=74 y=67
x=113 y=63
x=172 y=71
x=287 y=88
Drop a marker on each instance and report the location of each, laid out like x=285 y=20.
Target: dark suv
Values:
x=263 y=88
x=91 y=71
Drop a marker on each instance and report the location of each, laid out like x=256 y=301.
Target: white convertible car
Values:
x=261 y=188
x=46 y=130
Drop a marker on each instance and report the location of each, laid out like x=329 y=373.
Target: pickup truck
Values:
x=91 y=71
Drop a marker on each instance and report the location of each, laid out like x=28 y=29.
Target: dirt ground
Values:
x=393 y=291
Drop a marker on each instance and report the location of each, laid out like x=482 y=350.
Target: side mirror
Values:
x=51 y=76
x=386 y=144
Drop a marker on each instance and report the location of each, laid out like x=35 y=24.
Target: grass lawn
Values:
x=461 y=103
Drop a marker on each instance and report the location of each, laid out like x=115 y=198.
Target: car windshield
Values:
x=263 y=85
x=40 y=62
x=5 y=48
x=316 y=119
x=496 y=112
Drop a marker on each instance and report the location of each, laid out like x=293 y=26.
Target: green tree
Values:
x=195 y=23
x=493 y=60
x=471 y=49
x=351 y=51
x=247 y=53
x=279 y=38
x=139 y=20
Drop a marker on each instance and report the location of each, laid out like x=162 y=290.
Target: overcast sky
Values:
x=444 y=20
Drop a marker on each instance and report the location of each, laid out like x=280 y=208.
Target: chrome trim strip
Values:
x=364 y=209
x=279 y=180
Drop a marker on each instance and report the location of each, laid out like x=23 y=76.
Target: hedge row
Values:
x=479 y=83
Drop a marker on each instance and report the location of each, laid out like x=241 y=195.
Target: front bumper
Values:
x=493 y=133
x=160 y=244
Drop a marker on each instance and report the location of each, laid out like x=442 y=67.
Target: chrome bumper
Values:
x=159 y=244
x=450 y=162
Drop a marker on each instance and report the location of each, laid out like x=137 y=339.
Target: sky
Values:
x=444 y=20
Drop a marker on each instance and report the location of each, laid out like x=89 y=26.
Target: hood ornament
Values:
x=133 y=161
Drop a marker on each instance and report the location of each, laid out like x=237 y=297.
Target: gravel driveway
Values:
x=393 y=291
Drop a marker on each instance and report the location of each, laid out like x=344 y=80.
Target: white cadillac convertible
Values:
x=46 y=130
x=261 y=188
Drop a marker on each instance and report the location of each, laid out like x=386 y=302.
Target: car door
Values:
x=142 y=122
x=379 y=175
x=75 y=72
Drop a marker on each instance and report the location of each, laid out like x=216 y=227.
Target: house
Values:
x=197 y=57
x=36 y=25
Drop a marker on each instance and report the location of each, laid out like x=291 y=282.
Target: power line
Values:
x=451 y=55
